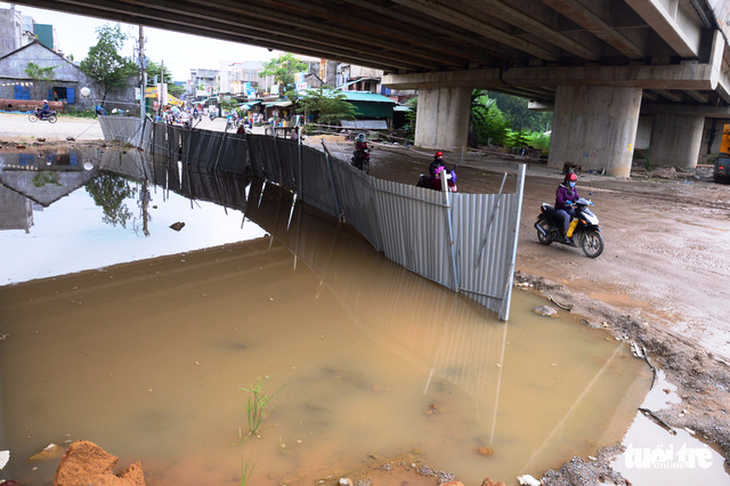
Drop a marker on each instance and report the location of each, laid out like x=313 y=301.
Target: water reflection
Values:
x=110 y=207
x=370 y=358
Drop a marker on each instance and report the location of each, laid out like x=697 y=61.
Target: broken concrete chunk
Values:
x=545 y=310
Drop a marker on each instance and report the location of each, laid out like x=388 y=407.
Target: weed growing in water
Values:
x=246 y=472
x=258 y=406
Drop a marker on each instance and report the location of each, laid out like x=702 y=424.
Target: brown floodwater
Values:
x=148 y=353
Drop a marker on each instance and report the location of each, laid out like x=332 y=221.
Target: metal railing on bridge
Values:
x=466 y=242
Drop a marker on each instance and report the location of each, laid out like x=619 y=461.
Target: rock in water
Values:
x=51 y=451
x=545 y=310
x=86 y=463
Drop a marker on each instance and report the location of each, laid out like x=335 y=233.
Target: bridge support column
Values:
x=442 y=119
x=595 y=127
x=676 y=139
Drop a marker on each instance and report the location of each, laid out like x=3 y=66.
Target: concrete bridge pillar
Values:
x=595 y=126
x=676 y=139
x=442 y=119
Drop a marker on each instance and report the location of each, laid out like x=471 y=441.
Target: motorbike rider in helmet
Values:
x=438 y=161
x=437 y=168
x=564 y=198
x=360 y=143
x=360 y=146
x=45 y=109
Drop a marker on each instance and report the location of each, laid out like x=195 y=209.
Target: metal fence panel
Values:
x=466 y=242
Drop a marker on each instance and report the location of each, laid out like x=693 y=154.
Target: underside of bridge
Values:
x=655 y=54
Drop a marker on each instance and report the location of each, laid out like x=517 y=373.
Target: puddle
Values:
x=147 y=358
x=655 y=456
x=82 y=220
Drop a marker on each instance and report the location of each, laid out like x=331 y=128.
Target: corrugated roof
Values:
x=367 y=96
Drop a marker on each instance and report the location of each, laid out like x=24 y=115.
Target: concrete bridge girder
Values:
x=596 y=107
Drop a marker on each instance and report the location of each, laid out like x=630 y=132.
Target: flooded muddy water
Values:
x=146 y=343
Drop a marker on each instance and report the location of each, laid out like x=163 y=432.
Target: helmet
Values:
x=571 y=177
x=45 y=101
x=438 y=154
x=361 y=137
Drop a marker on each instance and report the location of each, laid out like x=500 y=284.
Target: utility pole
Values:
x=142 y=76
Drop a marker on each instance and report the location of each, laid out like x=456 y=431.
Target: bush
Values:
x=84 y=113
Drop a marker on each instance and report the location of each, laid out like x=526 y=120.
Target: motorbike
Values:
x=211 y=115
x=424 y=180
x=586 y=235
x=361 y=160
x=37 y=114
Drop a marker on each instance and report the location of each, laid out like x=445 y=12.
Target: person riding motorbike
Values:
x=564 y=198
x=438 y=161
x=360 y=143
x=360 y=151
x=437 y=168
x=45 y=110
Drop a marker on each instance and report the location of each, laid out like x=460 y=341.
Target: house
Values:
x=20 y=92
x=372 y=111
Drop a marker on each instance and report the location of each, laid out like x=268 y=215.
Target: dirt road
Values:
x=664 y=260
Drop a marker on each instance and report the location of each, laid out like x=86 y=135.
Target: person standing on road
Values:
x=566 y=195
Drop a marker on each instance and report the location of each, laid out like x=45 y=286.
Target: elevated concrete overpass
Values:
x=600 y=63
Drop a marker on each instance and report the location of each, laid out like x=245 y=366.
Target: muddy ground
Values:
x=661 y=281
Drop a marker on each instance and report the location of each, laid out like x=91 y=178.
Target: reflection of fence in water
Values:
x=466 y=242
x=440 y=333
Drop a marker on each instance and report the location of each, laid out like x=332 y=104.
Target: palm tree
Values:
x=479 y=115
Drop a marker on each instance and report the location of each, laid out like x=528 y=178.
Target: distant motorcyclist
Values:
x=360 y=143
x=45 y=110
x=438 y=161
x=566 y=195
x=361 y=153
x=438 y=169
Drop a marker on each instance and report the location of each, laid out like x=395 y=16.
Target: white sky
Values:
x=180 y=52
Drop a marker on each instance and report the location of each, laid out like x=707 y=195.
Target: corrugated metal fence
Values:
x=466 y=242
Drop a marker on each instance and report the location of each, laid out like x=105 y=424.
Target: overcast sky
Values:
x=180 y=52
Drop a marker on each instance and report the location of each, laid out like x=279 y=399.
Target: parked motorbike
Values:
x=586 y=235
x=361 y=160
x=424 y=180
x=37 y=114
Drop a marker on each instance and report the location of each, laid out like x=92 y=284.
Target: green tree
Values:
x=409 y=129
x=153 y=69
x=283 y=69
x=43 y=75
x=487 y=123
x=520 y=116
x=109 y=191
x=104 y=64
x=326 y=105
